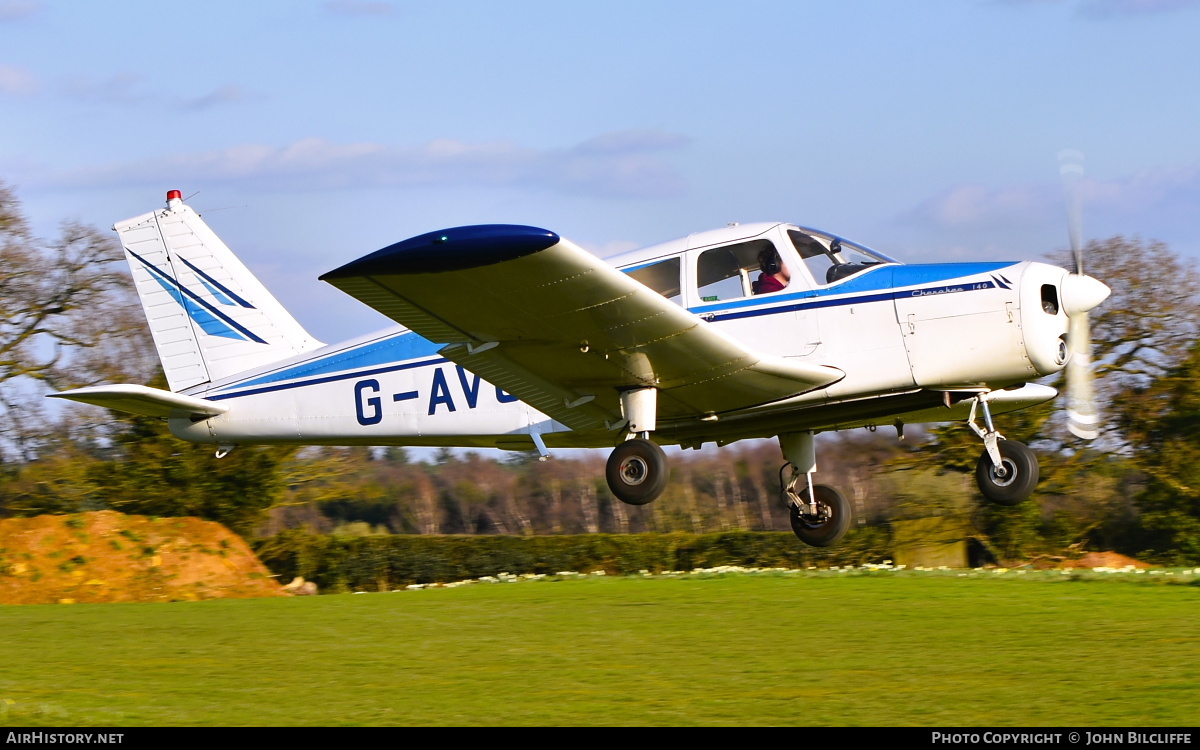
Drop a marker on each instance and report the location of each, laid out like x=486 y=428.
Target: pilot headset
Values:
x=771 y=266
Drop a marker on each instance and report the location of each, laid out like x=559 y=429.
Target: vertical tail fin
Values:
x=209 y=315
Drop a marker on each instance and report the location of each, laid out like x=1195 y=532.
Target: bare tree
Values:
x=68 y=318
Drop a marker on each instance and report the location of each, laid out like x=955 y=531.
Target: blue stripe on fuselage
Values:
x=400 y=348
x=408 y=350
x=330 y=378
x=888 y=283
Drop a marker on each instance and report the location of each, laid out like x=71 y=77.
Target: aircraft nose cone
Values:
x=1082 y=293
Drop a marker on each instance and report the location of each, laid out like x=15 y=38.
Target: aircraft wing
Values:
x=562 y=330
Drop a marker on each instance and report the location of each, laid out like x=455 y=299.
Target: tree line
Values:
x=69 y=318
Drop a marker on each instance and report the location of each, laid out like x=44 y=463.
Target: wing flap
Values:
x=570 y=407
x=145 y=401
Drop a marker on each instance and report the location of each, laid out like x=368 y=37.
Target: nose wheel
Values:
x=1012 y=481
x=823 y=522
x=1007 y=471
x=820 y=515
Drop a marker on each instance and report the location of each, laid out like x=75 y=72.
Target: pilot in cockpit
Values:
x=775 y=274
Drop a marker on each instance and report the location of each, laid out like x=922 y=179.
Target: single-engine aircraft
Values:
x=514 y=337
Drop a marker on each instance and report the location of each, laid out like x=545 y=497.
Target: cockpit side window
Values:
x=662 y=277
x=729 y=272
x=827 y=259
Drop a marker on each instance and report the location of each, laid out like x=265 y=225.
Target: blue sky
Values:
x=315 y=132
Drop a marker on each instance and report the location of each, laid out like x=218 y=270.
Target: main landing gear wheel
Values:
x=637 y=471
x=1019 y=476
x=830 y=522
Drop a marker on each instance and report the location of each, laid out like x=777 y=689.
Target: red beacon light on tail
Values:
x=174 y=198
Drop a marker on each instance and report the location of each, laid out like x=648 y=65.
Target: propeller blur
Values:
x=1080 y=294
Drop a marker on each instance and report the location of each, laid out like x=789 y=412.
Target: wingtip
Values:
x=454 y=249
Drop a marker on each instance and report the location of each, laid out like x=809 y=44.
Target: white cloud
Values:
x=609 y=249
x=1111 y=8
x=1159 y=203
x=129 y=90
x=629 y=164
x=629 y=141
x=121 y=89
x=18 y=10
x=228 y=94
x=1157 y=191
x=17 y=81
x=975 y=206
x=360 y=8
x=1115 y=8
x=1163 y=190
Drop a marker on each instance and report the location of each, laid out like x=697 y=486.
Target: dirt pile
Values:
x=1105 y=560
x=110 y=557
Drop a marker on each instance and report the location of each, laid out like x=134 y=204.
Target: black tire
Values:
x=637 y=471
x=822 y=532
x=1017 y=484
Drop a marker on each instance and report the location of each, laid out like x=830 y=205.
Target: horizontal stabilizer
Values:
x=145 y=401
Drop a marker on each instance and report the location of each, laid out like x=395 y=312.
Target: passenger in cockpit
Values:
x=775 y=274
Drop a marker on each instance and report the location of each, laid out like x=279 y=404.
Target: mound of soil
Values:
x=1105 y=560
x=110 y=557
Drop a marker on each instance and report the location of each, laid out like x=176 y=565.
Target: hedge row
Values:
x=381 y=563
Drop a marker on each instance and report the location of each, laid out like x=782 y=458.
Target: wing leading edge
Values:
x=565 y=332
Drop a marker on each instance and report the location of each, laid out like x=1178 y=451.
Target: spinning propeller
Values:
x=1080 y=293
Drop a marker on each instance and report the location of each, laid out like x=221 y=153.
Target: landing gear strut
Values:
x=1007 y=471
x=820 y=515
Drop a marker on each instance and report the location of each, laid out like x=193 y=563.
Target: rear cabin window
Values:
x=662 y=277
x=729 y=272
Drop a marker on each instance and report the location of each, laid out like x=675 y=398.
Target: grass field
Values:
x=767 y=649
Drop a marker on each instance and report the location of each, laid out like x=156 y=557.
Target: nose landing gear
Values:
x=819 y=523
x=1007 y=471
x=820 y=515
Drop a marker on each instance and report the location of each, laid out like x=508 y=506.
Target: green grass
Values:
x=885 y=649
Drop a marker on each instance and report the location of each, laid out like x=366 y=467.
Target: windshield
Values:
x=831 y=258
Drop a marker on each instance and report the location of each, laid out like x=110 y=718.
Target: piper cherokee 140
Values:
x=513 y=337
